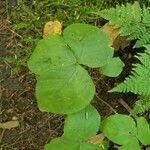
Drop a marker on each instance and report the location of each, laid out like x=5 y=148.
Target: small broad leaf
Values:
x=65 y=144
x=64 y=90
x=61 y=144
x=90 y=45
x=50 y=53
x=119 y=128
x=88 y=146
x=132 y=144
x=143 y=130
x=83 y=124
x=113 y=68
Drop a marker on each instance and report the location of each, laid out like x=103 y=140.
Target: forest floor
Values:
x=28 y=127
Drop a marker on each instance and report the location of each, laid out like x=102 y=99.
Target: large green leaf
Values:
x=65 y=144
x=91 y=46
x=64 y=90
x=82 y=125
x=50 y=52
x=143 y=130
x=119 y=128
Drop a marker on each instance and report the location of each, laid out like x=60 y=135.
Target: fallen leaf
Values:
x=52 y=28
x=97 y=139
x=9 y=124
x=111 y=31
x=119 y=42
x=148 y=148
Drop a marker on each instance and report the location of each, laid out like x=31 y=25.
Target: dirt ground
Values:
x=18 y=102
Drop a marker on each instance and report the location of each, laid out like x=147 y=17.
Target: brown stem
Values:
x=106 y=104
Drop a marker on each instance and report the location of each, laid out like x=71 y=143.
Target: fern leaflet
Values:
x=131 y=20
x=139 y=80
x=142 y=105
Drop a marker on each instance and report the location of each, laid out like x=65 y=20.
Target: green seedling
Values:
x=123 y=130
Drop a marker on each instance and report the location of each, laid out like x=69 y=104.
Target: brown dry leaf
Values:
x=119 y=42
x=111 y=31
x=9 y=124
x=97 y=139
x=52 y=28
x=148 y=148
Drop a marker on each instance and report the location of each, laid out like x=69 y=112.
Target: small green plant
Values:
x=64 y=86
x=123 y=130
x=57 y=63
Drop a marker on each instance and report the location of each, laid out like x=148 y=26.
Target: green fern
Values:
x=132 y=21
x=142 y=105
x=139 y=80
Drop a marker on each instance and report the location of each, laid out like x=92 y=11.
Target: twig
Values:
x=7 y=11
x=1 y=136
x=128 y=108
x=106 y=104
x=125 y=105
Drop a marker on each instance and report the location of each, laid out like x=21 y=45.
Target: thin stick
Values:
x=1 y=136
x=125 y=105
x=106 y=104
x=7 y=10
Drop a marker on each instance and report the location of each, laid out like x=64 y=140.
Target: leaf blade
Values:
x=83 y=124
x=91 y=45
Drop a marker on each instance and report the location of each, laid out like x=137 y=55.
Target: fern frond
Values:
x=131 y=20
x=139 y=80
x=142 y=105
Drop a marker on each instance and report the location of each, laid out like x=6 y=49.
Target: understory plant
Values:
x=61 y=64
x=133 y=21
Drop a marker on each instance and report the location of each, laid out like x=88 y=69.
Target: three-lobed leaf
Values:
x=63 y=86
